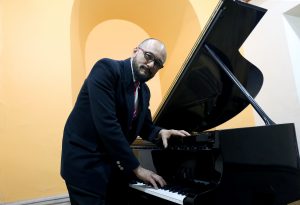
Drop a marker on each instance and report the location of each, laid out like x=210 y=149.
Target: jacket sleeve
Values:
x=149 y=131
x=102 y=84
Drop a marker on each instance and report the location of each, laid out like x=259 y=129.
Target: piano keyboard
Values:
x=160 y=193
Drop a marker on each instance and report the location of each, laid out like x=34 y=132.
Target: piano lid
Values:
x=203 y=96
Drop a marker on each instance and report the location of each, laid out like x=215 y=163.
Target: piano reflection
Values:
x=254 y=165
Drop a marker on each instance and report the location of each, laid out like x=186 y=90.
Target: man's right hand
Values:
x=149 y=177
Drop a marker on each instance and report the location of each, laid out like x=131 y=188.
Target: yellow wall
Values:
x=46 y=51
x=35 y=96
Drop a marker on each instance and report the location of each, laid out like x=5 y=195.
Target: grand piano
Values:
x=252 y=165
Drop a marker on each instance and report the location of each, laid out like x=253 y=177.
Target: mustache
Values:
x=147 y=69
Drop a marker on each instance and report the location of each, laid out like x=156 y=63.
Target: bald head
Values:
x=157 y=45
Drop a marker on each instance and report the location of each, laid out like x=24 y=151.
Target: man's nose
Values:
x=151 y=64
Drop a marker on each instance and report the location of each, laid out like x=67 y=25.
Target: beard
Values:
x=141 y=72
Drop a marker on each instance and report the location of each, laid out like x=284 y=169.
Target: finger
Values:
x=181 y=133
x=185 y=133
x=162 y=182
x=165 y=142
x=153 y=183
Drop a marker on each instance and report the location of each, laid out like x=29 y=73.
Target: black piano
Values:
x=253 y=165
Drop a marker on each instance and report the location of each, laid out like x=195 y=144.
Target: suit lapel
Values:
x=127 y=89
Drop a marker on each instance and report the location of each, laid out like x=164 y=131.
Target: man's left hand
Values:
x=166 y=134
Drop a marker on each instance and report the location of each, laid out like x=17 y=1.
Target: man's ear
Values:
x=135 y=50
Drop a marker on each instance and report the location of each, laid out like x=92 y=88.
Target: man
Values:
x=110 y=112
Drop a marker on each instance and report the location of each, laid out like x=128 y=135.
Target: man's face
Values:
x=147 y=60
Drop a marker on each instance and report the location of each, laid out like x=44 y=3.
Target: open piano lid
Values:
x=203 y=96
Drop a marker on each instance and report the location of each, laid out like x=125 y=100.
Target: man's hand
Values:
x=149 y=177
x=166 y=134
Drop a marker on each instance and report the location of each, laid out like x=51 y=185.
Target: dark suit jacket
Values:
x=99 y=130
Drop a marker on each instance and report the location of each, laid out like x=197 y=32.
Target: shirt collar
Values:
x=132 y=70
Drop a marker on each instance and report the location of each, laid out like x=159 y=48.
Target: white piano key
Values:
x=161 y=193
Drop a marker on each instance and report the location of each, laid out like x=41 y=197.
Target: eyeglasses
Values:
x=150 y=57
